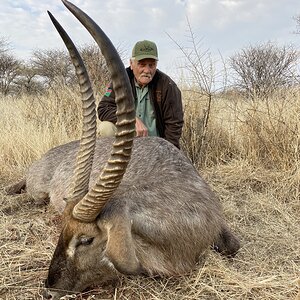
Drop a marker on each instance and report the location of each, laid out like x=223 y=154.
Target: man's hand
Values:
x=140 y=128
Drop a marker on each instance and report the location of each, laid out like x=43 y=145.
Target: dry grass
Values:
x=30 y=125
x=258 y=187
x=263 y=132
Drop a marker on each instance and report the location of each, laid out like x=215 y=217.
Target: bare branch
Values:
x=260 y=70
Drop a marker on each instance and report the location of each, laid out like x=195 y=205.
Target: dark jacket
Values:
x=166 y=100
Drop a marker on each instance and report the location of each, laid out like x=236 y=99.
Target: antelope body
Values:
x=133 y=206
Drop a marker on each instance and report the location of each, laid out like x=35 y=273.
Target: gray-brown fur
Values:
x=171 y=214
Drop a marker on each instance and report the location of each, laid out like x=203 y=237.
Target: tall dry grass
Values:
x=30 y=125
x=264 y=132
x=249 y=156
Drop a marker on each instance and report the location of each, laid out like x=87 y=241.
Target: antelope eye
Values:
x=85 y=241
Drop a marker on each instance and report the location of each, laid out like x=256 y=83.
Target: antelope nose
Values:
x=47 y=294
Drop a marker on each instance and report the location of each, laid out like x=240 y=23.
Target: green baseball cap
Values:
x=144 y=49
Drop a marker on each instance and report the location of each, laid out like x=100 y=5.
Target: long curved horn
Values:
x=80 y=184
x=90 y=206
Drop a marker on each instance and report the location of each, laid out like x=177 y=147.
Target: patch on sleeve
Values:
x=158 y=96
x=108 y=91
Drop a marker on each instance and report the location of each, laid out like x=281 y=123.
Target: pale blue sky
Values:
x=225 y=26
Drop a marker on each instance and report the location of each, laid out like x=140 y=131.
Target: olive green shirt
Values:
x=144 y=109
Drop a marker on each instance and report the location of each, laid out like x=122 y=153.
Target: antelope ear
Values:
x=120 y=248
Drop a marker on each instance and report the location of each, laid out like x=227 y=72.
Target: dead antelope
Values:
x=132 y=206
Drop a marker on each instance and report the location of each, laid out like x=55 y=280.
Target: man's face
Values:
x=143 y=70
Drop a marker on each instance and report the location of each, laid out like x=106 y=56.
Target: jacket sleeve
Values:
x=173 y=114
x=107 y=106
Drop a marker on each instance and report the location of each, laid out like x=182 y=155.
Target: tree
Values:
x=27 y=82
x=297 y=19
x=96 y=66
x=4 y=45
x=54 y=66
x=9 y=67
x=203 y=81
x=260 y=70
x=9 y=70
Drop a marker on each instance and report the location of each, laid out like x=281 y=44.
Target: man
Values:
x=158 y=103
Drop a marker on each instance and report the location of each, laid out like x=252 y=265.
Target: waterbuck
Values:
x=130 y=205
